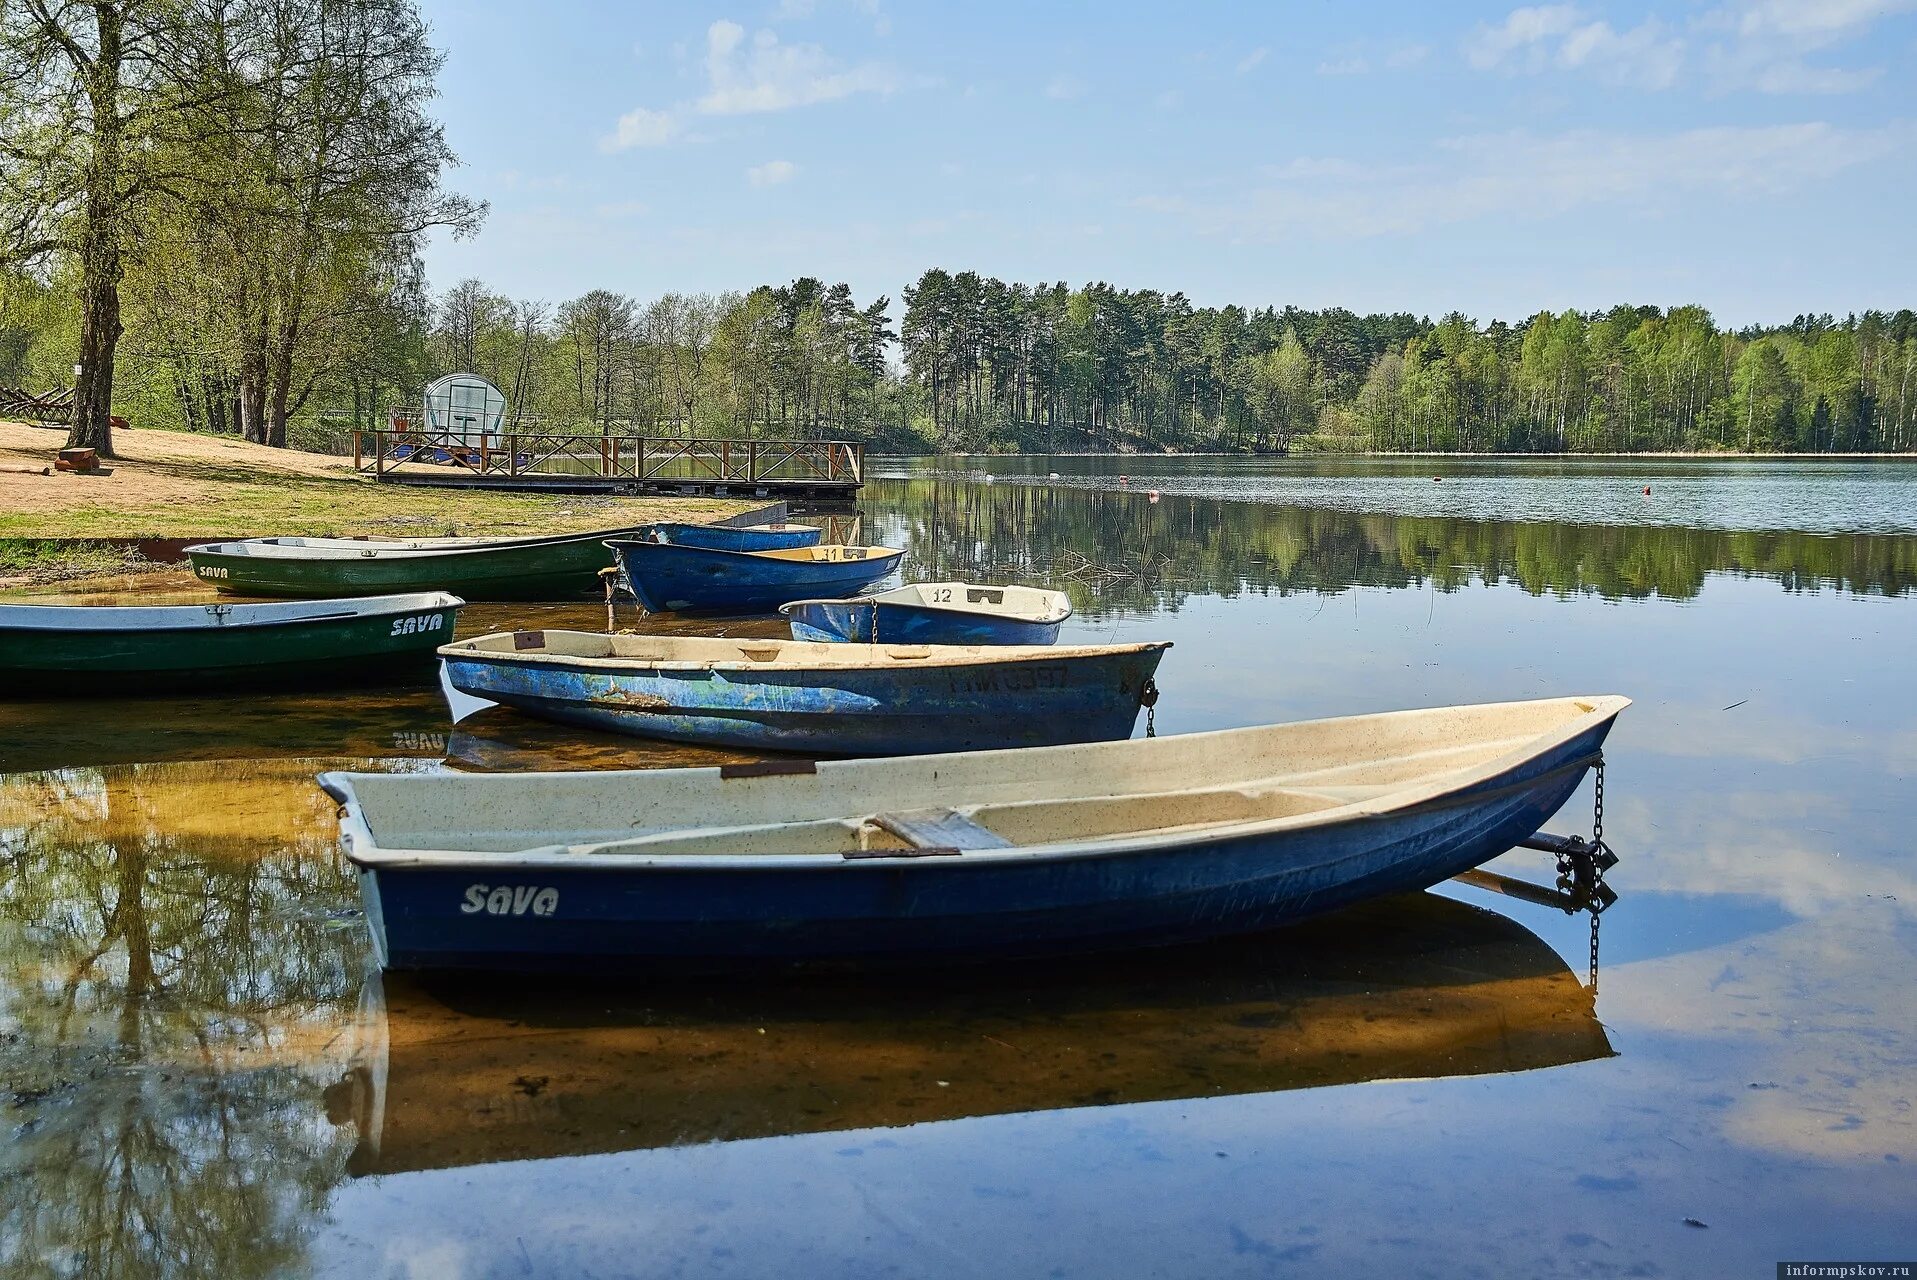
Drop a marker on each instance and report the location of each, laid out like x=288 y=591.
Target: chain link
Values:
x=1595 y=917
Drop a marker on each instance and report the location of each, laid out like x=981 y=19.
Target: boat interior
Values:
x=737 y=652
x=983 y=801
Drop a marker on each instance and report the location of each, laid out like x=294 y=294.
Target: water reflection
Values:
x=1116 y=551
x=459 y=1073
x=175 y=953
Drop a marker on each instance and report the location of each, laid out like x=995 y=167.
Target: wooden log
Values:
x=26 y=471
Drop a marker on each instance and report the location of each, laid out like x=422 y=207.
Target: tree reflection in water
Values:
x=1117 y=552
x=176 y=963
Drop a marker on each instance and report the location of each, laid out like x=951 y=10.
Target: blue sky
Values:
x=1758 y=157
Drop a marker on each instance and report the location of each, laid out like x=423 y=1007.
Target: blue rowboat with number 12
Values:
x=935 y=613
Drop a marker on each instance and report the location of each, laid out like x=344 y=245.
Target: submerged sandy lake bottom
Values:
x=201 y=1073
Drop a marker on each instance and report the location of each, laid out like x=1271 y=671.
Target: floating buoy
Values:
x=1124 y=479
x=1437 y=479
x=1053 y=475
x=1152 y=495
x=1647 y=490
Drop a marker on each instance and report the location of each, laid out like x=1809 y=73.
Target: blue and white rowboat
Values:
x=934 y=613
x=668 y=578
x=725 y=537
x=987 y=854
x=818 y=699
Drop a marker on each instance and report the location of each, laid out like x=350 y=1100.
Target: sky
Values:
x=1756 y=157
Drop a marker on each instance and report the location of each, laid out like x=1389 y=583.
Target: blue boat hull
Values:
x=1030 y=702
x=931 y=909
x=678 y=579
x=718 y=537
x=883 y=622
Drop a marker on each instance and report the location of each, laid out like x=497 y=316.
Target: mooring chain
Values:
x=1149 y=696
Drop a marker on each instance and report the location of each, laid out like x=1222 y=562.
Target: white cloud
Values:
x=1344 y=67
x=1521 y=175
x=1253 y=58
x=751 y=74
x=766 y=75
x=1063 y=87
x=641 y=128
x=771 y=173
x=1546 y=37
x=1753 y=45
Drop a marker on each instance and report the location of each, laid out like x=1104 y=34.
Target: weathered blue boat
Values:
x=725 y=537
x=987 y=854
x=934 y=613
x=821 y=699
x=666 y=578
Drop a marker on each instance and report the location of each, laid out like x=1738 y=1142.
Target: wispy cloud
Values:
x=1522 y=175
x=748 y=74
x=1253 y=58
x=641 y=128
x=1753 y=45
x=1540 y=38
x=771 y=173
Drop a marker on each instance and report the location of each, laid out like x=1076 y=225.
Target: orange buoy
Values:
x=1647 y=490
x=1152 y=495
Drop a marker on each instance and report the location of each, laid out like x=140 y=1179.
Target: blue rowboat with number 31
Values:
x=818 y=699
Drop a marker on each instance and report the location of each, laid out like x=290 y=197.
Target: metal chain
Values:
x=1595 y=917
x=1149 y=696
x=1597 y=807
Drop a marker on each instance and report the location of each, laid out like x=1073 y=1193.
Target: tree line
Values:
x=1051 y=367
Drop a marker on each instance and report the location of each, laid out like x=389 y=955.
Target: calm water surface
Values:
x=200 y=1073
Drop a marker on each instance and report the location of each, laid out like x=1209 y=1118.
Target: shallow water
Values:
x=200 y=1073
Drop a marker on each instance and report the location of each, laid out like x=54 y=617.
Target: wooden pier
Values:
x=540 y=461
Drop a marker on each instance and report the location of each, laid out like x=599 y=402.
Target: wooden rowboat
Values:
x=64 y=650
x=820 y=699
x=541 y=568
x=726 y=537
x=666 y=578
x=991 y=853
x=935 y=613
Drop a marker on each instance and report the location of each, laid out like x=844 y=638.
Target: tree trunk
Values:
x=100 y=265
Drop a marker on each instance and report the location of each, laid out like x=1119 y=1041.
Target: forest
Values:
x=213 y=216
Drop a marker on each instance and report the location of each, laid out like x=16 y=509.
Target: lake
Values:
x=202 y=1073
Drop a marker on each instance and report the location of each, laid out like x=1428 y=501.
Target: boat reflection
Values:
x=454 y=1072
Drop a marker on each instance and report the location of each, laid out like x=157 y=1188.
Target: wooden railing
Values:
x=643 y=460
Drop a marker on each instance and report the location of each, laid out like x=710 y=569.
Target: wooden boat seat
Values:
x=938 y=829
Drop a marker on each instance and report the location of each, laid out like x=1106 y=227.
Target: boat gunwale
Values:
x=360 y=848
x=376 y=550
x=782 y=555
x=155 y=619
x=972 y=655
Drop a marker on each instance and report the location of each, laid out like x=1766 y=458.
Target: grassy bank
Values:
x=168 y=484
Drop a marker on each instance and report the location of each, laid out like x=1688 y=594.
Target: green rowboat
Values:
x=543 y=568
x=77 y=650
